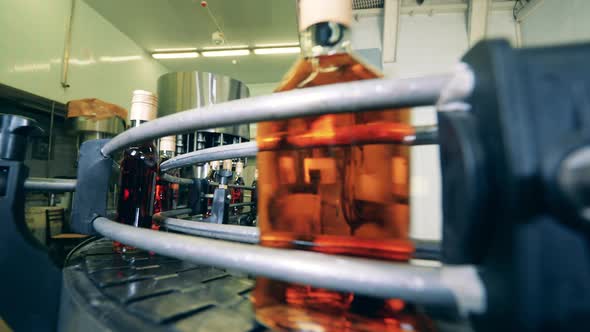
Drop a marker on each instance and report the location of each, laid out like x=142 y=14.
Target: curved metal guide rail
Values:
x=450 y=289
x=336 y=98
x=249 y=149
x=455 y=289
x=423 y=135
x=244 y=234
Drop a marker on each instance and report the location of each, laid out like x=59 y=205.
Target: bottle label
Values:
x=313 y=11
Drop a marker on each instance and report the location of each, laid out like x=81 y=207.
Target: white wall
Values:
x=557 y=22
x=104 y=63
x=429 y=44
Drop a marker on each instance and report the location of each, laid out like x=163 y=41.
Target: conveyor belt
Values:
x=139 y=291
x=144 y=292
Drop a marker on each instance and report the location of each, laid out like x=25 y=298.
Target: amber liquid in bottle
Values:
x=336 y=184
x=137 y=182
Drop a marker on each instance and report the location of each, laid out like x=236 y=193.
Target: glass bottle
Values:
x=165 y=191
x=336 y=184
x=138 y=170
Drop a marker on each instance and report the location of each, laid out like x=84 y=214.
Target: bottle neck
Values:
x=165 y=154
x=325 y=38
x=136 y=123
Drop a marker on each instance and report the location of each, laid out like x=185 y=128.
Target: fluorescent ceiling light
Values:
x=225 y=53
x=277 y=50
x=224 y=47
x=278 y=45
x=81 y=62
x=124 y=58
x=180 y=49
x=177 y=55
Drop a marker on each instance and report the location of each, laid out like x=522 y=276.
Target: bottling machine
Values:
x=180 y=91
x=512 y=131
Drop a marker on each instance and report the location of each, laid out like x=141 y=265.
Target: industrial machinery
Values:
x=86 y=129
x=180 y=91
x=512 y=135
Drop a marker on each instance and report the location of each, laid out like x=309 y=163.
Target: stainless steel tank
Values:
x=89 y=129
x=181 y=91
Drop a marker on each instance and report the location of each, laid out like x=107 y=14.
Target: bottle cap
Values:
x=168 y=143
x=316 y=11
x=227 y=164
x=144 y=106
x=239 y=168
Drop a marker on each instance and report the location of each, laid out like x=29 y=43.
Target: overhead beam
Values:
x=435 y=8
x=391 y=11
x=477 y=20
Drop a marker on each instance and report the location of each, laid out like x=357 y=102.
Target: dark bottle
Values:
x=165 y=190
x=336 y=184
x=138 y=170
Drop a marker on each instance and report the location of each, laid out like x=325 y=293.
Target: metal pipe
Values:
x=427 y=250
x=67 y=47
x=244 y=234
x=242 y=204
x=230 y=151
x=237 y=186
x=457 y=289
x=161 y=216
x=52 y=185
x=50 y=143
x=175 y=179
x=424 y=249
x=356 y=96
x=423 y=135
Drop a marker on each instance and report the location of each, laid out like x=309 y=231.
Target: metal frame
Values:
x=455 y=289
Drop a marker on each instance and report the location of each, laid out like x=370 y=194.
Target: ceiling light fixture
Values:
x=277 y=45
x=177 y=49
x=176 y=55
x=225 y=53
x=277 y=50
x=225 y=47
x=123 y=58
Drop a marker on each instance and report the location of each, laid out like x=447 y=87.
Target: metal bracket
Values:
x=94 y=173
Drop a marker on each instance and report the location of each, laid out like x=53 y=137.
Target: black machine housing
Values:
x=504 y=207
